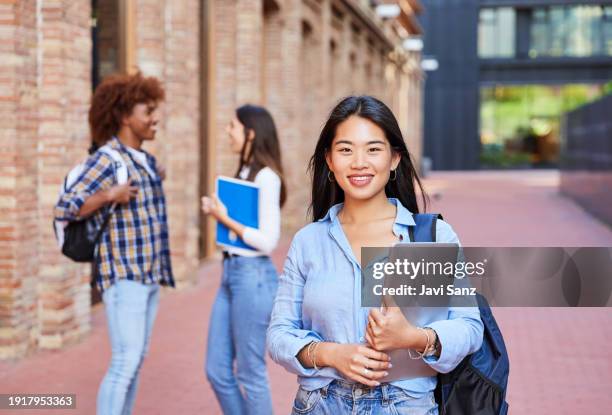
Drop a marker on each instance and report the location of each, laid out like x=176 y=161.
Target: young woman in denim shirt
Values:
x=363 y=194
x=241 y=312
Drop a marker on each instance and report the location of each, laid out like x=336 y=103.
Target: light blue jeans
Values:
x=340 y=397
x=131 y=308
x=237 y=332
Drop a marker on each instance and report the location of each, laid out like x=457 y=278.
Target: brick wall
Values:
x=18 y=176
x=45 y=86
x=64 y=71
x=167 y=42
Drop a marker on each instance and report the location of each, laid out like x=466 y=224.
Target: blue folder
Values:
x=241 y=198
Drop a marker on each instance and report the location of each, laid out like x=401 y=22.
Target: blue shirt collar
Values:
x=402 y=217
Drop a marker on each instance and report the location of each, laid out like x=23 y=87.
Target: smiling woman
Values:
x=363 y=194
x=241 y=312
x=362 y=132
x=360 y=156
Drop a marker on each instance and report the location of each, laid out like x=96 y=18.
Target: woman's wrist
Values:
x=325 y=354
x=106 y=196
x=422 y=339
x=415 y=339
x=233 y=225
x=223 y=218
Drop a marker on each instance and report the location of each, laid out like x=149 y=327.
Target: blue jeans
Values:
x=237 y=332
x=130 y=310
x=340 y=397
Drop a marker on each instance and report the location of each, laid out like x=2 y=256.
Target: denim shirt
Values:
x=319 y=298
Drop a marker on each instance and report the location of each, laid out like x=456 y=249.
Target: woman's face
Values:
x=144 y=120
x=361 y=158
x=235 y=132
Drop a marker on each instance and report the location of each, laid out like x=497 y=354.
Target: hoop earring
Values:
x=330 y=176
x=394 y=175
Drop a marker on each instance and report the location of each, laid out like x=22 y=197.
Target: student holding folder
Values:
x=363 y=194
x=241 y=311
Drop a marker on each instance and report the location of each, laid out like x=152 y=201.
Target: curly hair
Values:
x=115 y=98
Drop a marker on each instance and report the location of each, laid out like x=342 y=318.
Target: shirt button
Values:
x=361 y=339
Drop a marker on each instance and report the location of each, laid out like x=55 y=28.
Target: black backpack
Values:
x=477 y=386
x=72 y=236
x=77 y=244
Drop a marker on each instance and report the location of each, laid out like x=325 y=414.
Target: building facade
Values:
x=507 y=70
x=296 y=57
x=586 y=157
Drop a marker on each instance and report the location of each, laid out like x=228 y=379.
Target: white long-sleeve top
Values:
x=266 y=237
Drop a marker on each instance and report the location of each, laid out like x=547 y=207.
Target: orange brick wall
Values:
x=167 y=39
x=18 y=176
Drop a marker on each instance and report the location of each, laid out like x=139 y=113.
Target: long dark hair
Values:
x=326 y=193
x=265 y=149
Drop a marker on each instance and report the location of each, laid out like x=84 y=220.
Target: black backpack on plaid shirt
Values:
x=73 y=237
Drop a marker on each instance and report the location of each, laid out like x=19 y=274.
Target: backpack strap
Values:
x=72 y=176
x=121 y=170
x=425 y=227
x=121 y=174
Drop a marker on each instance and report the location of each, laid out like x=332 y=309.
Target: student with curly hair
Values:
x=132 y=257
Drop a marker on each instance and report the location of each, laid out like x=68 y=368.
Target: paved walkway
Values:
x=561 y=362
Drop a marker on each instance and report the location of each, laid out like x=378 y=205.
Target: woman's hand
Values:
x=390 y=330
x=161 y=171
x=356 y=362
x=122 y=193
x=213 y=206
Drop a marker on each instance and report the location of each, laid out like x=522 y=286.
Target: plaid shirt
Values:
x=135 y=243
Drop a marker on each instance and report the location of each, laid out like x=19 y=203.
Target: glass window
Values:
x=571 y=31
x=594 y=31
x=519 y=125
x=496 y=32
x=506 y=26
x=486 y=32
x=539 y=32
x=585 y=27
x=105 y=39
x=557 y=25
x=607 y=30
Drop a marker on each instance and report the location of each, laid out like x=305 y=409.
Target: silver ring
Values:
x=365 y=371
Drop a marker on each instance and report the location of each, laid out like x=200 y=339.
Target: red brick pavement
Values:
x=560 y=359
